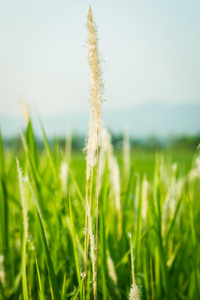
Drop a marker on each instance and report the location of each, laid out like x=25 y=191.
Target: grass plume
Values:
x=96 y=100
x=96 y=84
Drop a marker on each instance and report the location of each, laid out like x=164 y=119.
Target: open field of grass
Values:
x=43 y=225
x=103 y=224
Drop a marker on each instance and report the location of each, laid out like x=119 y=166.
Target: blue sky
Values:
x=150 y=52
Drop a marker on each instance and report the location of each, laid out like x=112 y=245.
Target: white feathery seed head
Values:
x=134 y=293
x=91 y=148
x=97 y=88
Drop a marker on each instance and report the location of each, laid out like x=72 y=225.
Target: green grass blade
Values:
x=31 y=142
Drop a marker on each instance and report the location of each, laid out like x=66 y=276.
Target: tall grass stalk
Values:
x=96 y=100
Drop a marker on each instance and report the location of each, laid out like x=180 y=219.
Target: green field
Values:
x=109 y=223
x=42 y=239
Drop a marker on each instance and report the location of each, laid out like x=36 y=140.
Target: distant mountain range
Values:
x=160 y=120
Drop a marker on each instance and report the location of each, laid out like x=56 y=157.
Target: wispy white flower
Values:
x=97 y=87
x=91 y=149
